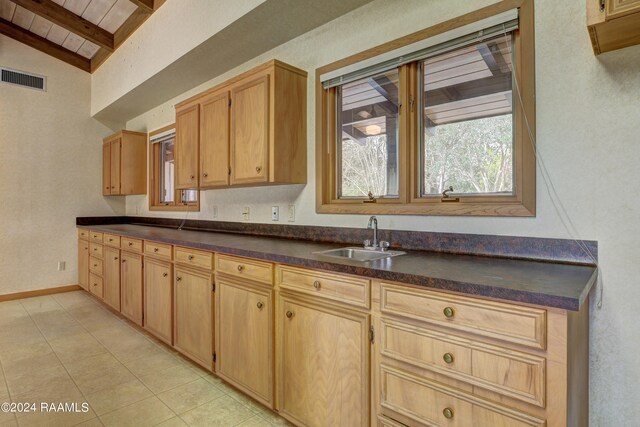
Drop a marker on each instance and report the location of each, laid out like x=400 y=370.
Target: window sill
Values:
x=171 y=208
x=434 y=209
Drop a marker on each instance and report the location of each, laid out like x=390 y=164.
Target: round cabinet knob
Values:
x=316 y=284
x=95 y=265
x=190 y=257
x=448 y=357
x=448 y=312
x=164 y=274
x=258 y=169
x=95 y=284
x=259 y=305
x=240 y=268
x=111 y=240
x=155 y=249
x=205 y=174
x=178 y=279
x=193 y=177
x=289 y=314
x=115 y=258
x=124 y=260
x=448 y=413
x=130 y=243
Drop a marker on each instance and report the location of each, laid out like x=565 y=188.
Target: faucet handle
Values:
x=384 y=245
x=367 y=243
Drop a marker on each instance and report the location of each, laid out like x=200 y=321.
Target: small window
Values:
x=163 y=195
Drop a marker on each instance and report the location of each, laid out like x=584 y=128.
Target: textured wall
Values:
x=50 y=163
x=588 y=110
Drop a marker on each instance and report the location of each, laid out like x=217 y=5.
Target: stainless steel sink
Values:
x=359 y=254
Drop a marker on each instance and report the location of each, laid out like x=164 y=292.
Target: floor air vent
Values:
x=20 y=78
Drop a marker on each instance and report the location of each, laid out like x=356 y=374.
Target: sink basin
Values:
x=359 y=254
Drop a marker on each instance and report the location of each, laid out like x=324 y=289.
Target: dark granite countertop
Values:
x=556 y=285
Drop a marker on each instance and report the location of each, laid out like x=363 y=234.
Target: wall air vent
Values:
x=20 y=78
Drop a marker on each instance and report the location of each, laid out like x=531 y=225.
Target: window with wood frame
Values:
x=440 y=122
x=162 y=192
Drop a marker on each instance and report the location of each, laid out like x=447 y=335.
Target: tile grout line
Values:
x=6 y=384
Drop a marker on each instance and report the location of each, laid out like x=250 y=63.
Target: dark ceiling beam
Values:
x=144 y=4
x=385 y=87
x=30 y=39
x=380 y=109
x=471 y=89
x=354 y=133
x=69 y=21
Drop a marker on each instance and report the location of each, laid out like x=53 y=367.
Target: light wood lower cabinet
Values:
x=324 y=356
x=158 y=299
x=131 y=286
x=112 y=277
x=193 y=302
x=83 y=263
x=95 y=285
x=244 y=336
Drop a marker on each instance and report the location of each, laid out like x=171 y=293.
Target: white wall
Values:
x=588 y=111
x=50 y=163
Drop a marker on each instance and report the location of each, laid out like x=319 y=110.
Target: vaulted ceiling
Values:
x=82 y=33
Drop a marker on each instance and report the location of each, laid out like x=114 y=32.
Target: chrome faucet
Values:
x=375 y=245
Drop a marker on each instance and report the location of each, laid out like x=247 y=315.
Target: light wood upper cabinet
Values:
x=193 y=333
x=124 y=164
x=131 y=286
x=324 y=364
x=158 y=299
x=244 y=336
x=83 y=263
x=613 y=24
x=252 y=128
x=186 y=147
x=112 y=277
x=214 y=131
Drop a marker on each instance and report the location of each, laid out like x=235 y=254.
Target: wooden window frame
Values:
x=410 y=201
x=154 y=179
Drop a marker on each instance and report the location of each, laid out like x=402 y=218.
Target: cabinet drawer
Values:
x=508 y=372
x=243 y=267
x=95 y=236
x=95 y=250
x=133 y=245
x=425 y=402
x=512 y=323
x=95 y=285
x=83 y=234
x=95 y=265
x=345 y=289
x=112 y=240
x=193 y=257
x=157 y=250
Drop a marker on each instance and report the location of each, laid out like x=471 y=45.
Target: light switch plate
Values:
x=275 y=213
x=245 y=213
x=291 y=213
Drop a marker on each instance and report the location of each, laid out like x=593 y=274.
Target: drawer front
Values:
x=158 y=250
x=194 y=258
x=95 y=265
x=95 y=250
x=512 y=323
x=112 y=240
x=508 y=372
x=95 y=285
x=95 y=236
x=246 y=268
x=132 y=245
x=431 y=403
x=336 y=287
x=83 y=234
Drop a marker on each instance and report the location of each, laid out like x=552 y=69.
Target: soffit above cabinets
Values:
x=82 y=33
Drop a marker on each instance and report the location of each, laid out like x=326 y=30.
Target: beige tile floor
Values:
x=69 y=348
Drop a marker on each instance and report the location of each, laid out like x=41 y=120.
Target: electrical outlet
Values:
x=245 y=213
x=275 y=213
x=215 y=212
x=61 y=265
x=291 y=213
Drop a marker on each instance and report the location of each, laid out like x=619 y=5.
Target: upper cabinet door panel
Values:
x=214 y=141
x=250 y=131
x=617 y=8
x=106 y=169
x=186 y=147
x=115 y=166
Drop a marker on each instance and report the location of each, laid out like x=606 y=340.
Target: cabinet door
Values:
x=193 y=334
x=115 y=166
x=95 y=285
x=112 y=277
x=325 y=359
x=244 y=326
x=214 y=141
x=106 y=169
x=131 y=286
x=617 y=8
x=186 y=148
x=250 y=131
x=158 y=299
x=83 y=264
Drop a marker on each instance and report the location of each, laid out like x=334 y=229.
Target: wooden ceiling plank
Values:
x=144 y=4
x=7 y=9
x=70 y=21
x=9 y=29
